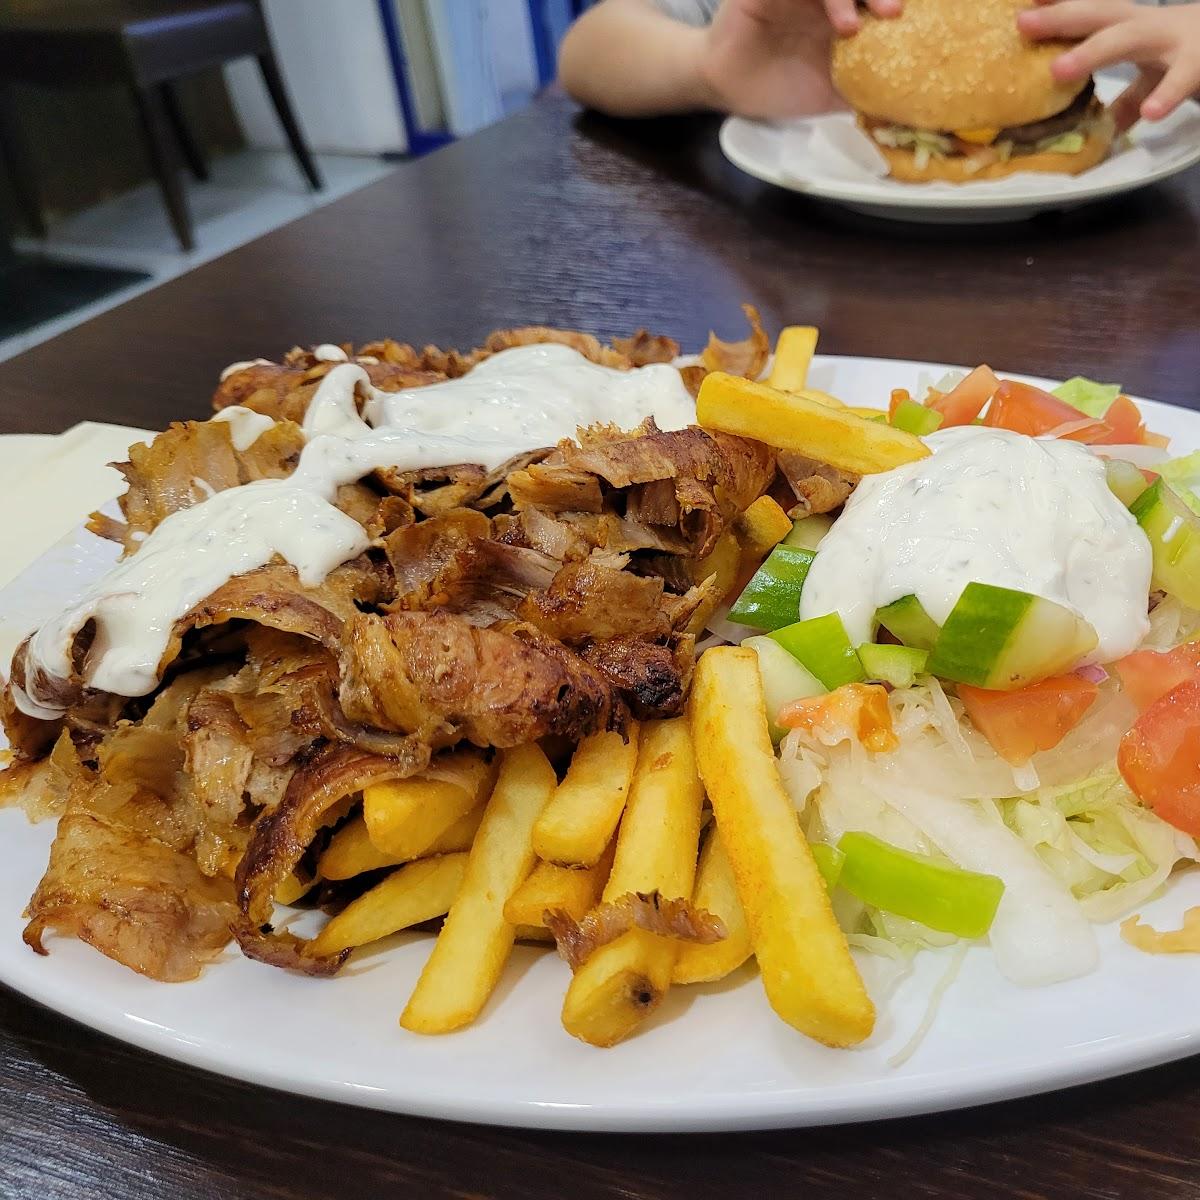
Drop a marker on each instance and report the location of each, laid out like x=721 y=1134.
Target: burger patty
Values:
x=1063 y=122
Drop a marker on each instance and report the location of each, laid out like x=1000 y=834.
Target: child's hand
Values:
x=770 y=58
x=1164 y=42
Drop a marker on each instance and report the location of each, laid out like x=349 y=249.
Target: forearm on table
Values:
x=626 y=58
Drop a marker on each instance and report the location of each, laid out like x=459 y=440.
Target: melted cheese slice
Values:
x=978 y=137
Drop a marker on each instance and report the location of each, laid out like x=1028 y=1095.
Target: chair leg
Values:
x=16 y=157
x=287 y=118
x=193 y=153
x=157 y=132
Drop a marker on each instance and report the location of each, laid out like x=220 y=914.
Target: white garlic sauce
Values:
x=988 y=506
x=518 y=400
x=245 y=425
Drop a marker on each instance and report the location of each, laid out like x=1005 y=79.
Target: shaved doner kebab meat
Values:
x=553 y=597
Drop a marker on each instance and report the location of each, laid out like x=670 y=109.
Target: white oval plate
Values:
x=713 y=1058
x=824 y=157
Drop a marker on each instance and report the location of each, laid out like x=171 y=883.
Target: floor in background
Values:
x=249 y=194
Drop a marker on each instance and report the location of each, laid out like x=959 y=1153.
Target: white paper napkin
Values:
x=51 y=485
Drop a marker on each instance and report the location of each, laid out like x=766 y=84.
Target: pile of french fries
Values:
x=690 y=808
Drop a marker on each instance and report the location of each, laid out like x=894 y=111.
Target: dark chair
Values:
x=145 y=45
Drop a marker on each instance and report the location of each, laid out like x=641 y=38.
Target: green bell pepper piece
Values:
x=918 y=887
x=829 y=860
x=915 y=418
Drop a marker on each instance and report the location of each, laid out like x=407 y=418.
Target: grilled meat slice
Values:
x=436 y=676
x=587 y=601
x=317 y=794
x=650 y=678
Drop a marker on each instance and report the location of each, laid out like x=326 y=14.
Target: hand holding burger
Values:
x=1164 y=42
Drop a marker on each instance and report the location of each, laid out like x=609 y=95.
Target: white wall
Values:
x=512 y=43
x=334 y=57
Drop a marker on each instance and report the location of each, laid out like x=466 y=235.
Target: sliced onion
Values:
x=1140 y=456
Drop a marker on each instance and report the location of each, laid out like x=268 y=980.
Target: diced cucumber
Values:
x=907 y=620
x=808 y=531
x=916 y=418
x=1125 y=481
x=772 y=597
x=783 y=680
x=1002 y=639
x=1174 y=533
x=897 y=665
x=823 y=647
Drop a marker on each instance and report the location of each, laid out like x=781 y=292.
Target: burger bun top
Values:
x=950 y=64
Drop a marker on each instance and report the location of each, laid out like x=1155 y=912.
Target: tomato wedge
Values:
x=965 y=401
x=1148 y=675
x=1023 y=408
x=1160 y=757
x=1019 y=724
x=1126 y=427
x=854 y=711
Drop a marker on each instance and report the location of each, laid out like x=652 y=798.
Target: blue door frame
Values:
x=421 y=141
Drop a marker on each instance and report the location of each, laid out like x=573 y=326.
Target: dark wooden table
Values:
x=556 y=218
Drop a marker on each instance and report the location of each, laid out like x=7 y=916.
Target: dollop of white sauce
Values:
x=994 y=507
x=537 y=395
x=245 y=425
x=518 y=400
x=328 y=352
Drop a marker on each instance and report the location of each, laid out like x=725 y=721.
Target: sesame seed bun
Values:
x=950 y=64
x=902 y=164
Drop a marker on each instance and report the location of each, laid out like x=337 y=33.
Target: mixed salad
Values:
x=973 y=758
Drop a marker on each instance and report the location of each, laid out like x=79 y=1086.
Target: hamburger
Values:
x=951 y=91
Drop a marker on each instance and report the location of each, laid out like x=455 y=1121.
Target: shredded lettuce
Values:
x=926 y=796
x=1065 y=833
x=922 y=142
x=1097 y=839
x=1183 y=474
x=1063 y=143
x=1087 y=395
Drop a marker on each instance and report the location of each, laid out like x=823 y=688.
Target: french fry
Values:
x=820 y=397
x=809 y=976
x=410 y=896
x=724 y=561
x=534 y=933
x=795 y=422
x=579 y=822
x=762 y=527
x=548 y=886
x=715 y=892
x=351 y=852
x=794 y=352
x=623 y=981
x=475 y=942
x=406 y=816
